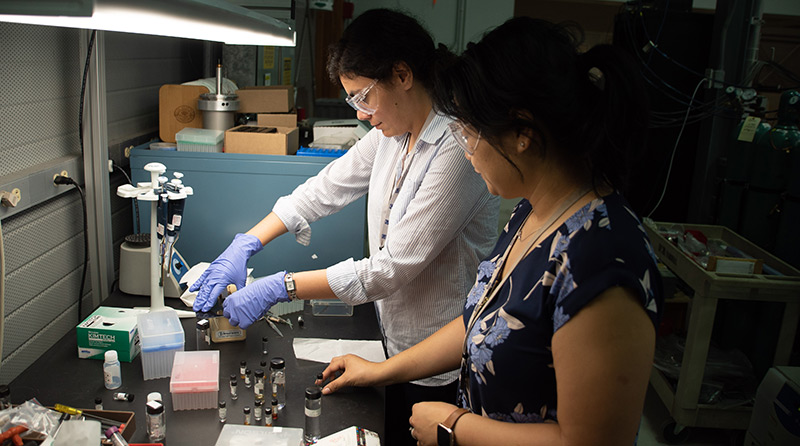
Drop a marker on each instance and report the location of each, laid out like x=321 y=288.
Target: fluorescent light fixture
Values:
x=215 y=20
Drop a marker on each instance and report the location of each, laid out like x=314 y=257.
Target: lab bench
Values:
x=58 y=376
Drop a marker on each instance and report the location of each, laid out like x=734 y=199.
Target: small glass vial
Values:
x=203 y=335
x=122 y=396
x=264 y=349
x=242 y=368
x=313 y=411
x=248 y=380
x=258 y=387
x=246 y=411
x=274 y=408
x=223 y=412
x=112 y=373
x=234 y=394
x=98 y=403
x=156 y=422
x=277 y=378
x=267 y=416
x=257 y=411
x=5 y=397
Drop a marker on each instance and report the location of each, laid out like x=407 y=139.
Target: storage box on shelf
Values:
x=195 y=380
x=709 y=287
x=200 y=140
x=161 y=335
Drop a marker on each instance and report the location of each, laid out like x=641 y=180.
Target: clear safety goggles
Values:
x=462 y=137
x=358 y=102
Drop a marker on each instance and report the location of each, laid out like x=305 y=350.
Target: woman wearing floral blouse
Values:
x=557 y=338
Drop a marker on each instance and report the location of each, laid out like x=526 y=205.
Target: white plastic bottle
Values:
x=112 y=373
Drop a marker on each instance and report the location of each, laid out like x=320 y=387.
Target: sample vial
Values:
x=5 y=397
x=300 y=321
x=267 y=416
x=320 y=377
x=98 y=403
x=257 y=411
x=242 y=368
x=258 y=387
x=203 y=335
x=234 y=395
x=223 y=412
x=264 y=349
x=122 y=396
x=112 y=373
x=248 y=380
x=246 y=411
x=277 y=378
x=274 y=408
x=156 y=422
x=313 y=410
x=264 y=365
x=112 y=433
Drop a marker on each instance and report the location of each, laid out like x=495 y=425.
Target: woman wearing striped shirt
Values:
x=430 y=216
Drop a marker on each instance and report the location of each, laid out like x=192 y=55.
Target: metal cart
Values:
x=681 y=399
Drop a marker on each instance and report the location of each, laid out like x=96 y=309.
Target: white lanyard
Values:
x=400 y=176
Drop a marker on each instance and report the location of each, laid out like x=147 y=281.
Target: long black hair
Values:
x=528 y=75
x=377 y=40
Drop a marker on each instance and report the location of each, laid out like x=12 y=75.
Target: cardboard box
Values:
x=273 y=99
x=109 y=328
x=277 y=119
x=284 y=141
x=177 y=109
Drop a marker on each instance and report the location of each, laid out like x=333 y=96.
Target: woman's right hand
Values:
x=356 y=371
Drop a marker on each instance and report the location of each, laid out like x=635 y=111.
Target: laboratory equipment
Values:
x=112 y=373
x=264 y=345
x=194 y=383
x=202 y=335
x=116 y=438
x=218 y=108
x=124 y=396
x=156 y=422
x=277 y=379
x=233 y=384
x=258 y=387
x=153 y=192
x=247 y=418
x=257 y=411
x=222 y=410
x=161 y=336
x=313 y=411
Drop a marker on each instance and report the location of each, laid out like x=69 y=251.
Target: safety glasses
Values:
x=358 y=102
x=462 y=137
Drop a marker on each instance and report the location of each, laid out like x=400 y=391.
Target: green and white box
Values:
x=109 y=328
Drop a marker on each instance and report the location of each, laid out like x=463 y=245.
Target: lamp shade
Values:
x=215 y=20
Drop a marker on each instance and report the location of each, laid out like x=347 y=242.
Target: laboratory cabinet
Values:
x=709 y=287
x=233 y=192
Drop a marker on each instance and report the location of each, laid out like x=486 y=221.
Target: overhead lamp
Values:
x=215 y=20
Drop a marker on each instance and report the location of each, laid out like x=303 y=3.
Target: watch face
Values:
x=444 y=436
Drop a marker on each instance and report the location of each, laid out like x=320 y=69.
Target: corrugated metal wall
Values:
x=41 y=69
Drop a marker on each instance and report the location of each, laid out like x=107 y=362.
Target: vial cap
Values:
x=267 y=411
x=313 y=393
x=98 y=400
x=259 y=403
x=233 y=377
x=111 y=355
x=264 y=339
x=202 y=324
x=221 y=404
x=246 y=371
x=319 y=376
x=154 y=396
x=264 y=364
x=243 y=363
x=259 y=373
x=4 y=390
x=154 y=408
x=246 y=409
x=277 y=363
x=274 y=401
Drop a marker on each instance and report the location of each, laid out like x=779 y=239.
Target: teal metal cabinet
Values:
x=233 y=192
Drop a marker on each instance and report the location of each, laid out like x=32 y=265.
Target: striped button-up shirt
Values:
x=441 y=224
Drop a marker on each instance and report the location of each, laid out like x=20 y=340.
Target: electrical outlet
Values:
x=110 y=166
x=10 y=199
x=63 y=173
x=128 y=151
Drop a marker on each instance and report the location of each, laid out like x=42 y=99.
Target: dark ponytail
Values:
x=527 y=75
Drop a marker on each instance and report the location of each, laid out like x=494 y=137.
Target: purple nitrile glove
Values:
x=229 y=268
x=247 y=305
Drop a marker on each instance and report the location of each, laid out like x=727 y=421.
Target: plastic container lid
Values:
x=163 y=146
x=160 y=330
x=154 y=396
x=111 y=356
x=195 y=372
x=313 y=393
x=154 y=408
x=200 y=136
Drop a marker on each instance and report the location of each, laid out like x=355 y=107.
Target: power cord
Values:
x=63 y=180
x=138 y=227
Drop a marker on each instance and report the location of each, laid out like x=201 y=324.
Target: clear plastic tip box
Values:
x=161 y=334
x=195 y=380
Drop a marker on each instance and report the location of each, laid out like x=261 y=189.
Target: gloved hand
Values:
x=245 y=306
x=229 y=267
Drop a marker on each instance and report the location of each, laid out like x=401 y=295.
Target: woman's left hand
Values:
x=425 y=417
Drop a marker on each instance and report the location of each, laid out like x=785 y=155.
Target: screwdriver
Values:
x=73 y=411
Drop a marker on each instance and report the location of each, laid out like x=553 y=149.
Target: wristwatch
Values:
x=444 y=432
x=291 y=288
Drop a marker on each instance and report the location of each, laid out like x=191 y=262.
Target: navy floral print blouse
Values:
x=509 y=358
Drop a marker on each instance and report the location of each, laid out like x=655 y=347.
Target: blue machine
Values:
x=233 y=192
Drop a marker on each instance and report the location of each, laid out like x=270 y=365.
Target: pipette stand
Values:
x=146 y=192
